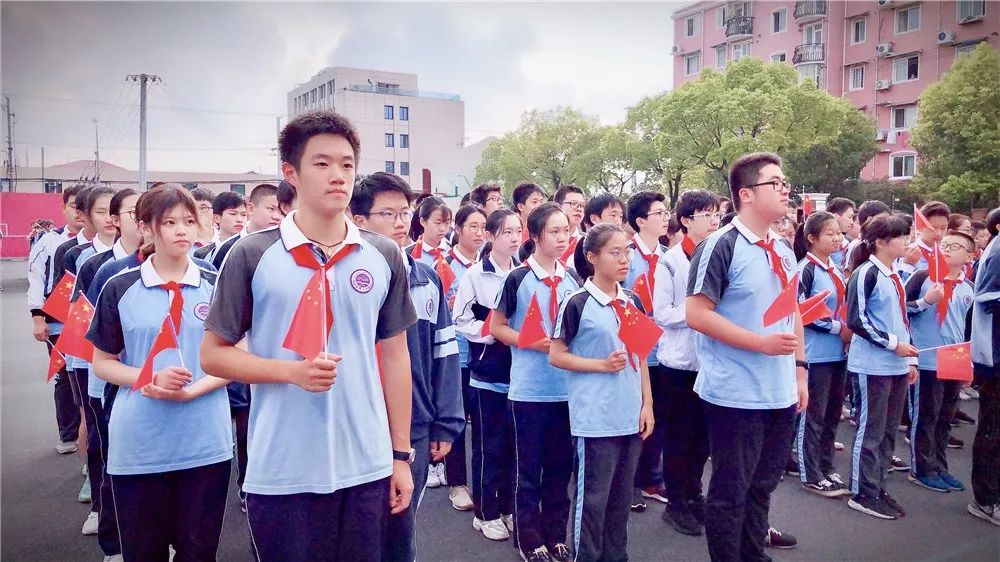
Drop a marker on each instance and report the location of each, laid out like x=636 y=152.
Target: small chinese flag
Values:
x=56 y=363
x=807 y=206
x=531 y=331
x=486 y=325
x=954 y=362
x=573 y=241
x=165 y=340
x=417 y=250
x=641 y=289
x=920 y=222
x=73 y=339
x=445 y=274
x=814 y=308
x=937 y=269
x=785 y=304
x=307 y=334
x=57 y=305
x=636 y=330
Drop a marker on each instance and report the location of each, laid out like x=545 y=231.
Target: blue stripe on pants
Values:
x=860 y=437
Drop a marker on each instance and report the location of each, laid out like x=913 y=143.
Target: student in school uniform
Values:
x=428 y=227
x=229 y=211
x=604 y=207
x=171 y=439
x=352 y=468
x=572 y=201
x=816 y=242
x=286 y=198
x=526 y=198
x=938 y=313
x=866 y=211
x=489 y=378
x=846 y=212
x=470 y=234
x=262 y=213
x=920 y=251
x=378 y=204
x=489 y=196
x=538 y=396
x=207 y=233
x=610 y=405
x=45 y=329
x=883 y=358
x=678 y=409
x=752 y=378
x=648 y=217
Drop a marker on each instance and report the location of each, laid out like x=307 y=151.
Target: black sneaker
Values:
x=777 y=539
x=560 y=553
x=681 y=519
x=638 y=503
x=964 y=418
x=540 y=554
x=892 y=504
x=898 y=465
x=955 y=443
x=697 y=507
x=825 y=488
x=871 y=506
x=792 y=467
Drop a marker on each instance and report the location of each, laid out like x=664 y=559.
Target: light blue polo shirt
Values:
x=600 y=404
x=300 y=441
x=823 y=343
x=925 y=326
x=875 y=317
x=736 y=275
x=459 y=265
x=146 y=435
x=532 y=378
x=425 y=251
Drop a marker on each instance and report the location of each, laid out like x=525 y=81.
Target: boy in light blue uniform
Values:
x=986 y=364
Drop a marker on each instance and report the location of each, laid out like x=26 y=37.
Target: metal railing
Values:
x=810 y=52
x=368 y=89
x=742 y=25
x=810 y=8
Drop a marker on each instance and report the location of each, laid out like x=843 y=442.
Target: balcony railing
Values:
x=369 y=89
x=810 y=9
x=810 y=52
x=739 y=26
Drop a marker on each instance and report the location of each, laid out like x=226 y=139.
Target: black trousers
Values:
x=604 y=468
x=348 y=524
x=882 y=401
x=933 y=404
x=401 y=529
x=181 y=508
x=97 y=443
x=749 y=451
x=67 y=413
x=544 y=457
x=681 y=416
x=817 y=428
x=651 y=461
x=986 y=447
x=241 y=421
x=492 y=454
x=455 y=469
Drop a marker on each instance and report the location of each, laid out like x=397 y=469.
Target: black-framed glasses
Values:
x=776 y=185
x=576 y=206
x=954 y=247
x=662 y=214
x=391 y=216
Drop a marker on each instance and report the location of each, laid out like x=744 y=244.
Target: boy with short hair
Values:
x=206 y=232
x=262 y=212
x=229 y=212
x=920 y=252
x=604 y=207
x=488 y=196
x=526 y=197
x=845 y=211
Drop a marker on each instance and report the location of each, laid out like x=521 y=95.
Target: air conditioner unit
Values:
x=882 y=84
x=677 y=50
x=880 y=134
x=886 y=3
x=885 y=49
x=946 y=38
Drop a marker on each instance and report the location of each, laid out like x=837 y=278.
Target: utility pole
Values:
x=11 y=167
x=143 y=80
x=97 y=155
x=277 y=151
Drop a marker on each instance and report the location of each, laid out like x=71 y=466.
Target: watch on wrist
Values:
x=803 y=364
x=407 y=456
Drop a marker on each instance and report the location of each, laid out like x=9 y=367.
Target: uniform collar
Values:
x=827 y=265
x=749 y=235
x=490 y=265
x=641 y=246
x=602 y=297
x=100 y=246
x=416 y=275
x=881 y=266
x=150 y=278
x=540 y=272
x=460 y=257
x=292 y=236
x=81 y=238
x=920 y=244
x=118 y=251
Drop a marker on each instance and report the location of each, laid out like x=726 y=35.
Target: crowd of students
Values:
x=353 y=332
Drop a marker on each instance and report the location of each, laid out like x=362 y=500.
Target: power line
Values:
x=150 y=107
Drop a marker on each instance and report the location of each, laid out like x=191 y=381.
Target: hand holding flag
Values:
x=165 y=339
x=937 y=268
x=785 y=304
x=636 y=330
x=57 y=305
x=531 y=331
x=73 y=340
x=310 y=328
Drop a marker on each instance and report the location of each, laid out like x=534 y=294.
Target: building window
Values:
x=390 y=167
x=904 y=117
x=907 y=19
x=966 y=48
x=720 y=56
x=971 y=9
x=404 y=113
x=812 y=34
x=859 y=31
x=692 y=64
x=240 y=188
x=322 y=91
x=404 y=168
x=720 y=17
x=390 y=140
x=857 y=74
x=779 y=20
x=692 y=26
x=387 y=112
x=741 y=50
x=779 y=57
x=312 y=96
x=905 y=69
x=404 y=140
x=903 y=165
x=812 y=71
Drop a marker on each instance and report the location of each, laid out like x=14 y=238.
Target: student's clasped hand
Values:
x=541 y=345
x=934 y=294
x=157 y=393
x=316 y=375
x=616 y=361
x=778 y=344
x=906 y=350
x=171 y=378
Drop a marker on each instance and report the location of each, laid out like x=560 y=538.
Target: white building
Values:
x=416 y=134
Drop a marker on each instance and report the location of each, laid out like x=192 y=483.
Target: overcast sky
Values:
x=229 y=66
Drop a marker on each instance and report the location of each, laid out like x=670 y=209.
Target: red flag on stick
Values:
x=57 y=305
x=56 y=363
x=573 y=241
x=73 y=339
x=807 y=207
x=165 y=339
x=954 y=362
x=531 y=331
x=920 y=222
x=307 y=334
x=636 y=330
x=937 y=269
x=785 y=304
x=418 y=250
x=486 y=325
x=445 y=274
x=814 y=308
x=641 y=290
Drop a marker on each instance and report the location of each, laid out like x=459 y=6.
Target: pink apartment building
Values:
x=878 y=54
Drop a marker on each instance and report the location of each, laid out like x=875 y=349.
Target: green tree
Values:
x=958 y=133
x=657 y=156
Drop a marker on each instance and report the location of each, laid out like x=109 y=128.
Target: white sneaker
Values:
x=66 y=447
x=90 y=525
x=460 y=498
x=838 y=446
x=115 y=558
x=971 y=392
x=508 y=521
x=83 y=471
x=963 y=394
x=989 y=513
x=494 y=530
x=433 y=478
x=442 y=474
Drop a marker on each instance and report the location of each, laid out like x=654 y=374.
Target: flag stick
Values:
x=941 y=346
x=323 y=304
x=178 y=340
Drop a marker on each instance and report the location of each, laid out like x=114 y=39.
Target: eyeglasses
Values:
x=776 y=185
x=709 y=216
x=661 y=214
x=496 y=200
x=130 y=213
x=391 y=216
x=954 y=247
x=621 y=255
x=475 y=228
x=574 y=205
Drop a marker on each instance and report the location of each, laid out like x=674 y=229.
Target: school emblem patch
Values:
x=967 y=300
x=362 y=281
x=787 y=262
x=201 y=311
x=430 y=308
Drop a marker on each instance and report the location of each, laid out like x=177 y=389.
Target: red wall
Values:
x=18 y=211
